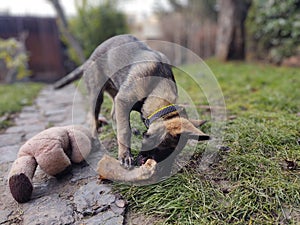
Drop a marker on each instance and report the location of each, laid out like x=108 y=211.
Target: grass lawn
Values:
x=257 y=179
x=14 y=97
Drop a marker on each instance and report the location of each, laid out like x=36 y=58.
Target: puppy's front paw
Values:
x=127 y=160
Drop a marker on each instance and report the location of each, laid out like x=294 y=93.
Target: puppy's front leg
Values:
x=122 y=113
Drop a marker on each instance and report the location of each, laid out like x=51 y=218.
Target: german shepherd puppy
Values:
x=137 y=78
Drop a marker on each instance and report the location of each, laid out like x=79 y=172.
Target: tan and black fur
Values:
x=137 y=78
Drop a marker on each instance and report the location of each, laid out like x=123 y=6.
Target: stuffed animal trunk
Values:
x=54 y=150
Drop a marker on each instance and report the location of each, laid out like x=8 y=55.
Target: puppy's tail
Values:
x=20 y=178
x=74 y=75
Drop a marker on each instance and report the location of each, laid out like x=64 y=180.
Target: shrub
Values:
x=97 y=22
x=14 y=59
x=274 y=27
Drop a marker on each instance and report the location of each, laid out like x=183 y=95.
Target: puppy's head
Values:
x=165 y=135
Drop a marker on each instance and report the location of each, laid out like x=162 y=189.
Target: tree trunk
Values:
x=63 y=26
x=230 y=43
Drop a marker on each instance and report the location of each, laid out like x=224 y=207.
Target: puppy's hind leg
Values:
x=96 y=107
x=113 y=112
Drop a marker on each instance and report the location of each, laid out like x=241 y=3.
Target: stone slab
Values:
x=26 y=128
x=10 y=139
x=48 y=210
x=9 y=153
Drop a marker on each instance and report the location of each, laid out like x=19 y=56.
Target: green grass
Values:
x=258 y=180
x=14 y=97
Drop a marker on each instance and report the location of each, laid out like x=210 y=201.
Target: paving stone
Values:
x=104 y=218
x=46 y=210
x=79 y=117
x=26 y=128
x=30 y=108
x=44 y=185
x=31 y=134
x=4 y=214
x=94 y=157
x=117 y=210
x=10 y=139
x=55 y=112
x=25 y=121
x=28 y=115
x=81 y=172
x=56 y=119
x=9 y=153
x=87 y=169
x=67 y=122
x=92 y=197
x=41 y=101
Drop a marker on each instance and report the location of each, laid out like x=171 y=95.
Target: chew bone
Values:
x=110 y=168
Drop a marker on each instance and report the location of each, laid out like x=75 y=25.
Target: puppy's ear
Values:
x=198 y=123
x=181 y=126
x=196 y=134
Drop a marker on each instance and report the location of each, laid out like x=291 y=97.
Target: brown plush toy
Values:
x=54 y=150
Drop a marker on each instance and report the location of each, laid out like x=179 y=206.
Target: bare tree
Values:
x=230 y=43
x=63 y=26
x=191 y=24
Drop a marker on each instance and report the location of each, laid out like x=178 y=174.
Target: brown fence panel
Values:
x=43 y=44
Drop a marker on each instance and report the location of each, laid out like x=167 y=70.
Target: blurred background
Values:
x=250 y=45
x=43 y=40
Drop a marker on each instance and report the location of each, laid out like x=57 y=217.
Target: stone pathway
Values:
x=78 y=198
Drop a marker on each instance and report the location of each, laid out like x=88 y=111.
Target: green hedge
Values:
x=274 y=28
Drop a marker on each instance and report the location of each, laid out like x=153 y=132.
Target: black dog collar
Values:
x=160 y=113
